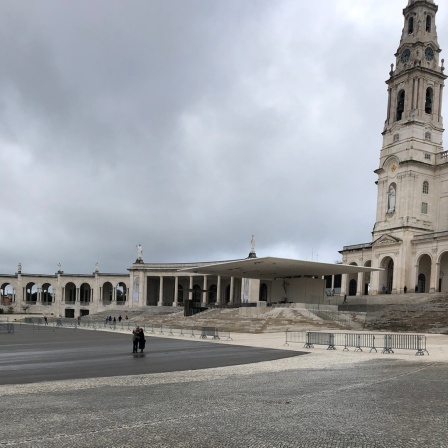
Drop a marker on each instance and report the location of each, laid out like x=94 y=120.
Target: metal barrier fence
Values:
x=151 y=328
x=388 y=342
x=209 y=331
x=313 y=337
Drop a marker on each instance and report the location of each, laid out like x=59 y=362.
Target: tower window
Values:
x=425 y=187
x=428 y=101
x=428 y=23
x=411 y=25
x=400 y=105
x=425 y=208
x=396 y=137
x=427 y=156
x=428 y=136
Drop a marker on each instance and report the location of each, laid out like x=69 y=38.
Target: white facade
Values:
x=72 y=295
x=410 y=236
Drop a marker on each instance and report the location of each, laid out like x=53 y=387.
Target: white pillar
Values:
x=204 y=292
x=218 y=292
x=190 y=289
x=415 y=278
x=176 y=291
x=232 y=284
x=344 y=281
x=160 y=303
x=360 y=285
x=434 y=276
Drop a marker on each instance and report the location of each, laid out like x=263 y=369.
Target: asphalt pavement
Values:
x=33 y=354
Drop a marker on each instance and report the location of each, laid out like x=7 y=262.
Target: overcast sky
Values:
x=189 y=125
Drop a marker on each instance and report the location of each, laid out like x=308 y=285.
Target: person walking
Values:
x=135 y=339
x=46 y=320
x=345 y=299
x=141 y=340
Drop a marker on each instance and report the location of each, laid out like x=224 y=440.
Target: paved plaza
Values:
x=321 y=399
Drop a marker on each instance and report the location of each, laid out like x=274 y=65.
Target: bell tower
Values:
x=410 y=235
x=411 y=195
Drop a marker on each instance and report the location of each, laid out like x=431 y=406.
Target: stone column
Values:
x=388 y=104
x=160 y=303
x=359 y=288
x=232 y=284
x=204 y=292
x=190 y=289
x=218 y=292
x=415 y=278
x=76 y=294
x=344 y=281
x=176 y=291
x=434 y=277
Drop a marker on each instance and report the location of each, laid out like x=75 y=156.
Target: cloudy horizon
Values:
x=188 y=127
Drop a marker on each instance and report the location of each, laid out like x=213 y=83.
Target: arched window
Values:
x=411 y=25
x=400 y=105
x=425 y=187
x=428 y=23
x=428 y=101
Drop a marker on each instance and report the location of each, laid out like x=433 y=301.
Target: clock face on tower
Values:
x=429 y=54
x=405 y=55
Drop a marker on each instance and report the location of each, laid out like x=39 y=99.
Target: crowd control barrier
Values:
x=313 y=337
x=359 y=341
x=209 y=331
x=125 y=325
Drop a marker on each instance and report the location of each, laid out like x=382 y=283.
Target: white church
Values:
x=410 y=235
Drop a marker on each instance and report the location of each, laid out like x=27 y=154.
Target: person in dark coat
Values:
x=141 y=340
x=135 y=339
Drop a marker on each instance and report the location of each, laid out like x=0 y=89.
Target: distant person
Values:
x=141 y=340
x=46 y=320
x=416 y=288
x=332 y=292
x=405 y=289
x=79 y=320
x=120 y=318
x=383 y=289
x=110 y=318
x=115 y=320
x=345 y=299
x=135 y=339
x=126 y=317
